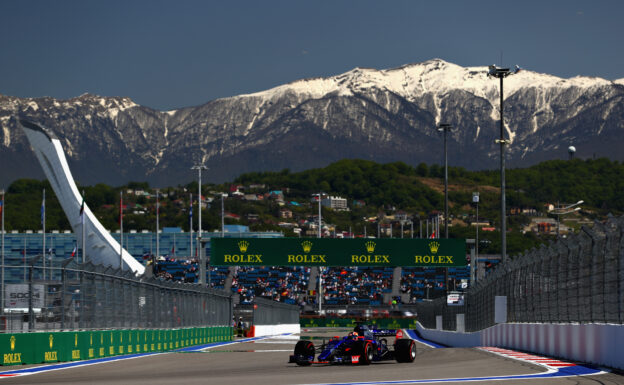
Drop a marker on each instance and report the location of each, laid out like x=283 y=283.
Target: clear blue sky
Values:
x=170 y=54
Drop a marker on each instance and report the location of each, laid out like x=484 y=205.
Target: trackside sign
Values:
x=17 y=296
x=337 y=252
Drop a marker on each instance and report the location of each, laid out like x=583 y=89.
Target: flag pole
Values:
x=121 y=230
x=84 y=238
x=157 y=224
x=24 y=259
x=191 y=226
x=43 y=253
x=50 y=255
x=2 y=253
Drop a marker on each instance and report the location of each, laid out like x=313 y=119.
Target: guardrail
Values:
x=35 y=348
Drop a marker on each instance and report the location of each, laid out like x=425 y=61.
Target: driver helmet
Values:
x=353 y=335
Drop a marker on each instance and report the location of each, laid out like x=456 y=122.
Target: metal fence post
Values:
x=611 y=271
x=562 y=284
x=598 y=236
x=31 y=313
x=585 y=261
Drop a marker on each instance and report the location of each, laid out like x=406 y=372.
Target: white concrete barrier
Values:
x=273 y=330
x=460 y=340
x=600 y=344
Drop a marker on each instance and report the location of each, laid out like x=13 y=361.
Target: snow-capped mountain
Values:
x=382 y=115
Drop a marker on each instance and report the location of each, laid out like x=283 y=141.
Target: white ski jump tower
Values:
x=101 y=247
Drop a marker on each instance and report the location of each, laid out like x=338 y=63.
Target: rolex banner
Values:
x=337 y=252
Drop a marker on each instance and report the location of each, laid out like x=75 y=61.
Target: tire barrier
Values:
x=36 y=348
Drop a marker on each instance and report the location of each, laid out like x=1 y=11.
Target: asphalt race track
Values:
x=264 y=361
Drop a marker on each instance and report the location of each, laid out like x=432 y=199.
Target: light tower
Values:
x=445 y=128
x=202 y=261
x=199 y=167
x=559 y=211
x=502 y=73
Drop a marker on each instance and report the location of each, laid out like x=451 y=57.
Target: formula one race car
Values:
x=362 y=346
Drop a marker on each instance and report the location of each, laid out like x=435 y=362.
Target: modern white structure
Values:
x=101 y=247
x=336 y=203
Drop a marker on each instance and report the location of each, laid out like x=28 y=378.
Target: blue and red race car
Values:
x=362 y=346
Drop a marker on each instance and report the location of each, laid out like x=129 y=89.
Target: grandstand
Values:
x=356 y=285
x=372 y=286
x=174 y=246
x=365 y=286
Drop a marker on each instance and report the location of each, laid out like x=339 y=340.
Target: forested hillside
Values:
x=374 y=191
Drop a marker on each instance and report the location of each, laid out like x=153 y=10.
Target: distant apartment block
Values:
x=335 y=203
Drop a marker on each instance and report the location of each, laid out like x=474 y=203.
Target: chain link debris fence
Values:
x=90 y=297
x=579 y=279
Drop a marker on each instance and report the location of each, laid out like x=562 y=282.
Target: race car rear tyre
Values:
x=305 y=349
x=405 y=350
x=366 y=355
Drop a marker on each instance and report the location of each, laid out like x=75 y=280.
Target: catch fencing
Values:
x=579 y=279
x=90 y=297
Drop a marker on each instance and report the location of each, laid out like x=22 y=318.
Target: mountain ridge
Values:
x=382 y=115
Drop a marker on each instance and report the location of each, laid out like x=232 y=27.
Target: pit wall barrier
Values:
x=598 y=344
x=379 y=323
x=272 y=330
x=36 y=348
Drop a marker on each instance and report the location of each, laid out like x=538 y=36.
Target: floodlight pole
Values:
x=502 y=171
x=566 y=210
x=445 y=128
x=199 y=167
x=502 y=73
x=475 y=199
x=320 y=269
x=202 y=255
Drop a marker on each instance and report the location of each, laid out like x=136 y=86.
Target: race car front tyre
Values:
x=366 y=353
x=304 y=352
x=405 y=350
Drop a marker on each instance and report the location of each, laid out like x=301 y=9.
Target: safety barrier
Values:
x=268 y=317
x=575 y=280
x=593 y=343
x=563 y=300
x=90 y=297
x=35 y=348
